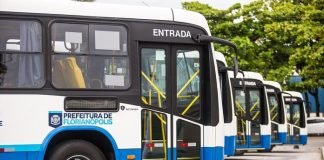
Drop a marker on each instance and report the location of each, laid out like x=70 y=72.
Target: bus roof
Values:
x=294 y=94
x=247 y=75
x=96 y=9
x=273 y=83
x=220 y=57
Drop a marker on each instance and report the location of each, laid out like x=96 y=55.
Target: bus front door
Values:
x=293 y=117
x=248 y=118
x=170 y=95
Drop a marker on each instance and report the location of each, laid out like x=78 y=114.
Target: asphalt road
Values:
x=311 y=151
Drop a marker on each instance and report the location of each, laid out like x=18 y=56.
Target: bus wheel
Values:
x=76 y=150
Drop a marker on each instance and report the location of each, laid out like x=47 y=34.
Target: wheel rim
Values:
x=78 y=157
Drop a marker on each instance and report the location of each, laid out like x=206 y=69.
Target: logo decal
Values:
x=1 y=124
x=54 y=119
x=122 y=108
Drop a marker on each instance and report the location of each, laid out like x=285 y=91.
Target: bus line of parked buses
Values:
x=92 y=81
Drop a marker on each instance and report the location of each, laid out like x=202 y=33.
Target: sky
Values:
x=219 y=4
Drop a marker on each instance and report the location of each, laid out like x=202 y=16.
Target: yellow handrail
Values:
x=273 y=109
x=190 y=105
x=274 y=116
x=187 y=83
x=254 y=105
x=239 y=106
x=256 y=115
x=153 y=85
x=151 y=131
x=162 y=128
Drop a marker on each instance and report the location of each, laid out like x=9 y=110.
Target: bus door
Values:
x=295 y=120
x=275 y=114
x=294 y=112
x=289 y=128
x=172 y=107
x=254 y=100
x=248 y=113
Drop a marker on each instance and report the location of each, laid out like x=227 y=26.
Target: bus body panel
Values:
x=282 y=127
x=265 y=129
x=294 y=97
x=113 y=124
x=49 y=108
x=229 y=130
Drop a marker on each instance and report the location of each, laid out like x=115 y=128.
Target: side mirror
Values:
x=235 y=67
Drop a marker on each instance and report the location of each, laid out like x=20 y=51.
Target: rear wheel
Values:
x=76 y=150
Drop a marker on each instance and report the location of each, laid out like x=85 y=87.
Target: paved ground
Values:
x=311 y=151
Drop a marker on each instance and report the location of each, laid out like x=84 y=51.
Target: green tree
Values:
x=274 y=37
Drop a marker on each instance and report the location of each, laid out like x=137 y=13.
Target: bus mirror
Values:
x=209 y=39
x=235 y=67
x=243 y=81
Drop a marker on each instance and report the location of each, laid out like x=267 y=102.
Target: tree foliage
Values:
x=274 y=37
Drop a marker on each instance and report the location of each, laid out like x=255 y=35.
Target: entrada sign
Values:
x=171 y=33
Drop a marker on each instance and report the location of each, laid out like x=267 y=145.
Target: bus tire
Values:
x=73 y=149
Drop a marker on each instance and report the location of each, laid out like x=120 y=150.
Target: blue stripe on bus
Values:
x=283 y=137
x=22 y=147
x=303 y=139
x=229 y=148
x=19 y=156
x=124 y=152
x=266 y=141
x=215 y=153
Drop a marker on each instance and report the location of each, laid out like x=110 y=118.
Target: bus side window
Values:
x=89 y=56
x=22 y=60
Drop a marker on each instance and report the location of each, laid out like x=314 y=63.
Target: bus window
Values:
x=274 y=108
x=89 y=56
x=188 y=140
x=255 y=105
x=188 y=83
x=240 y=104
x=21 y=57
x=153 y=79
x=287 y=106
x=154 y=135
x=296 y=114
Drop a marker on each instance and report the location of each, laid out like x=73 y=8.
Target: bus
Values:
x=277 y=113
x=82 y=81
x=296 y=118
x=252 y=112
x=230 y=130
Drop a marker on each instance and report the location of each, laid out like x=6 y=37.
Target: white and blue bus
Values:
x=230 y=129
x=296 y=118
x=92 y=81
x=277 y=113
x=251 y=111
